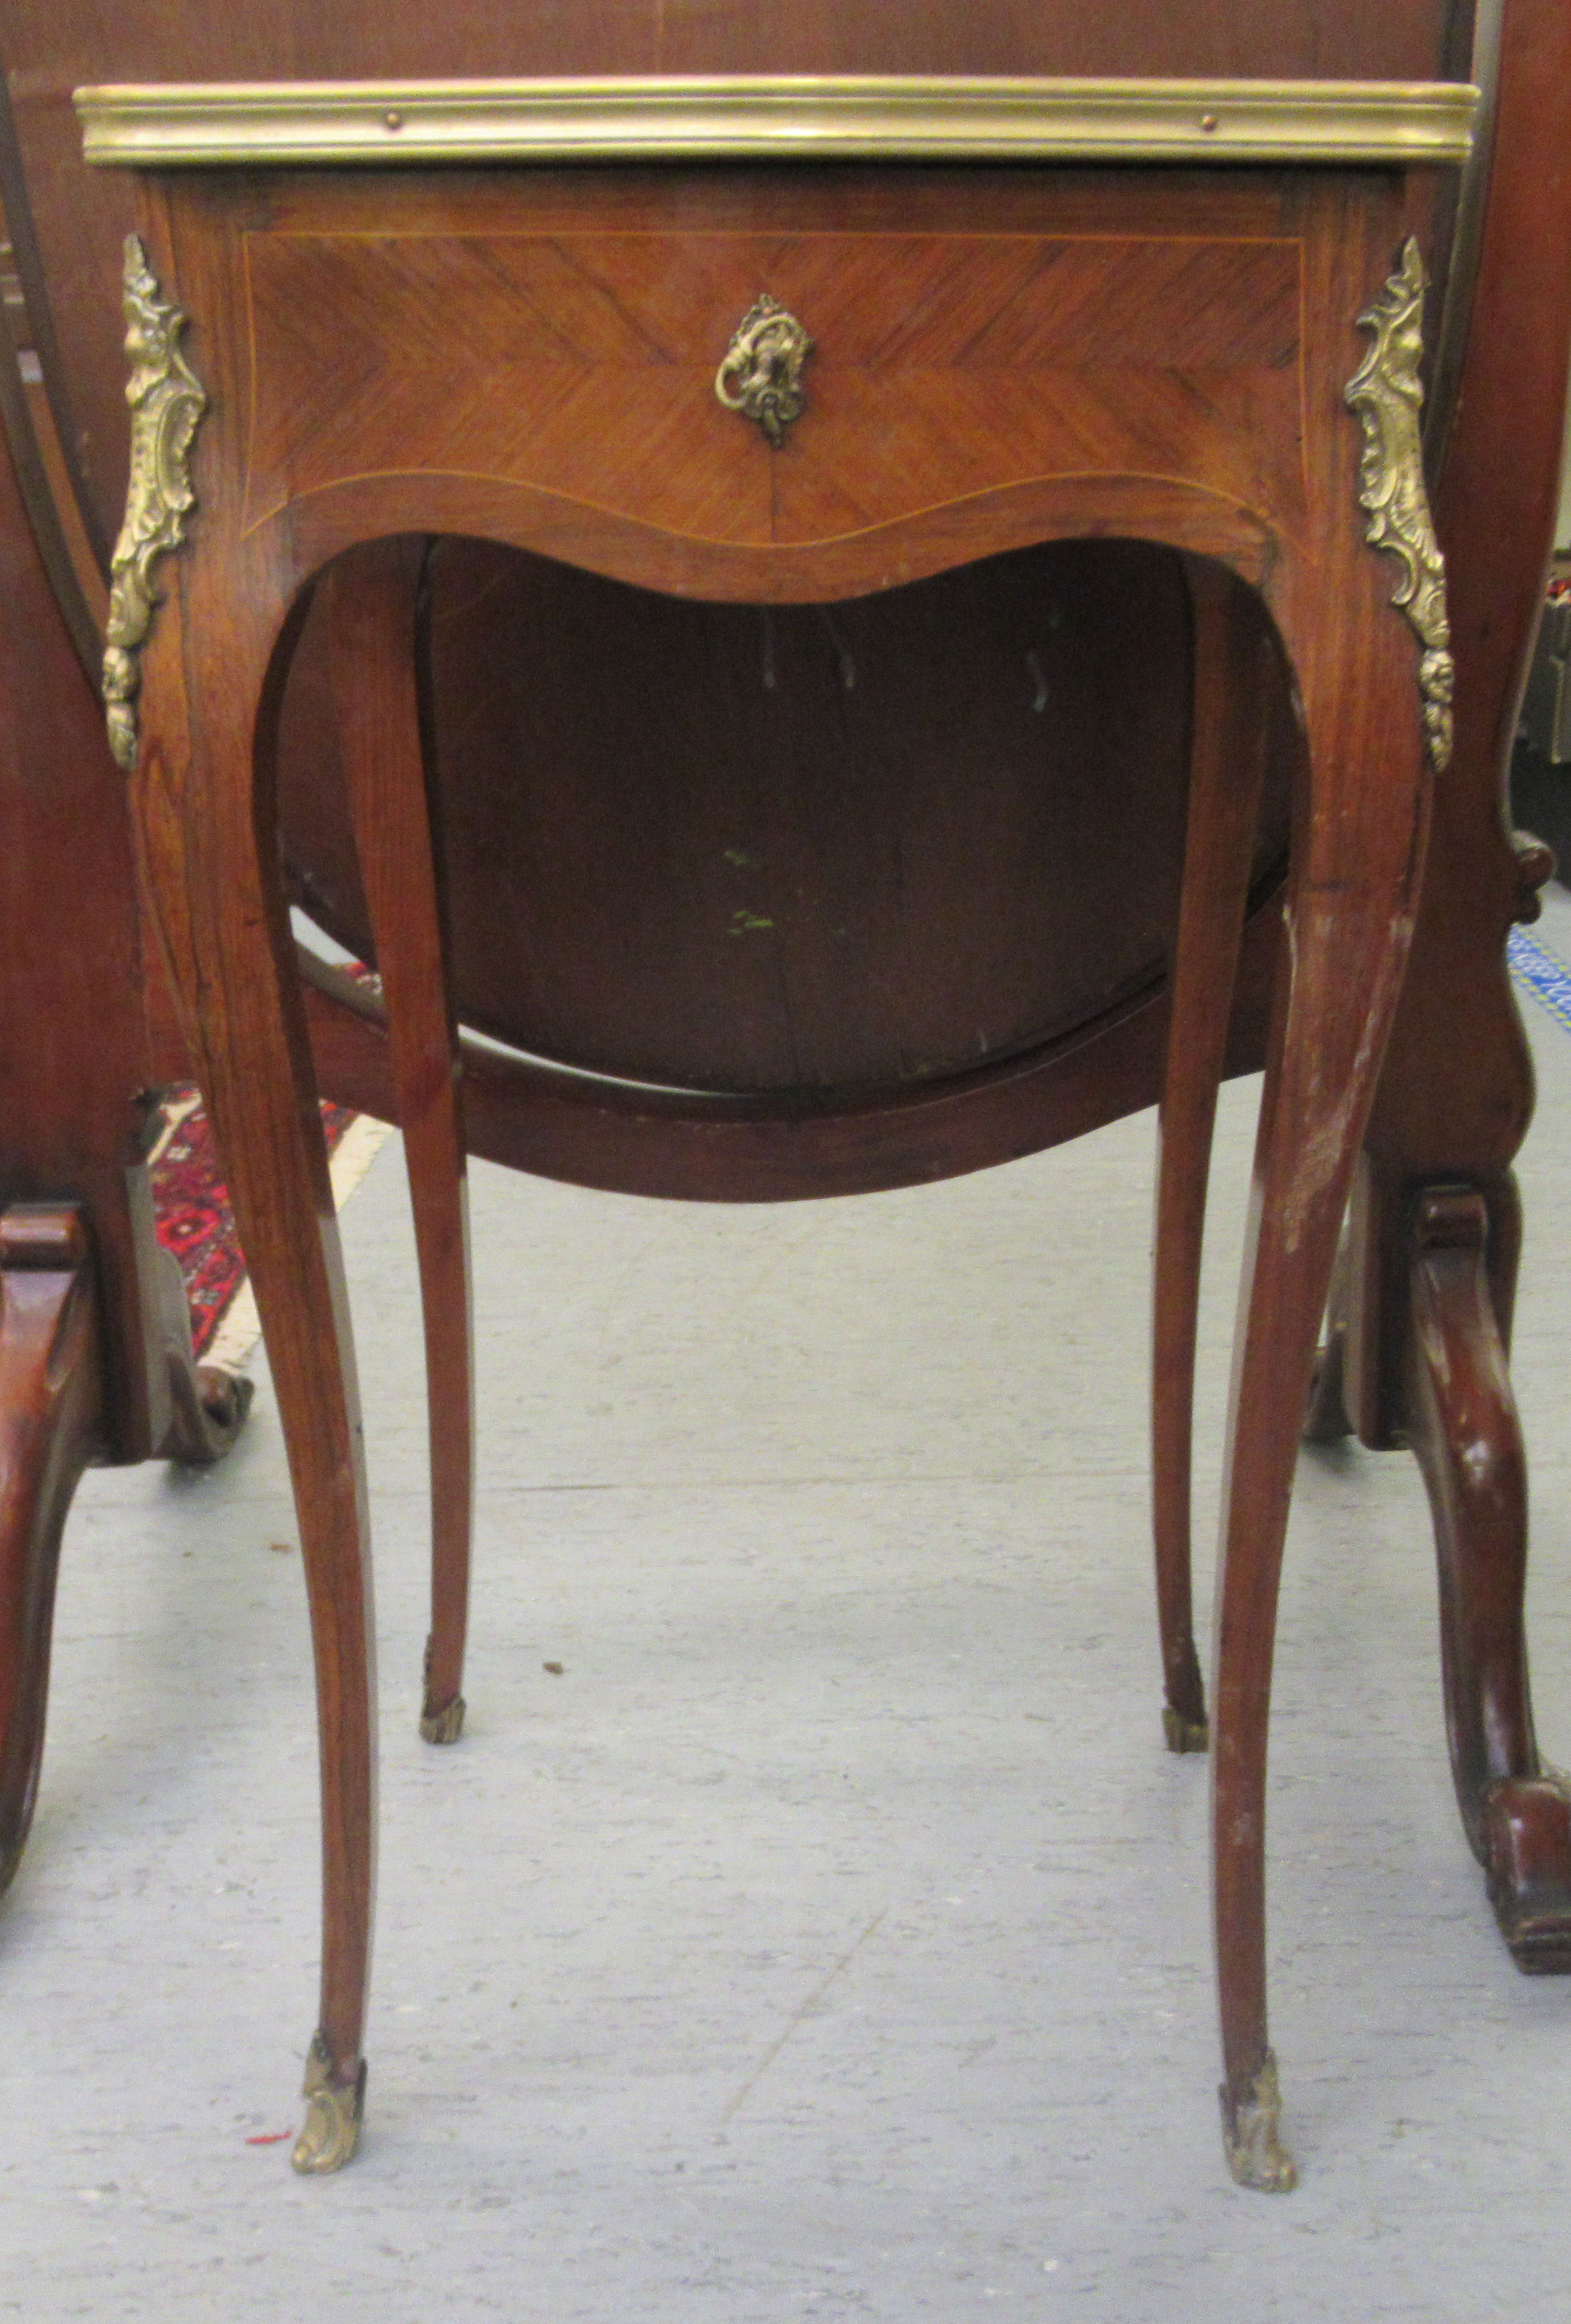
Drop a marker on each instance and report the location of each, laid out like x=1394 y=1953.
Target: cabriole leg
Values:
x=1320 y=1078
x=1373 y=738
x=1232 y=676
x=211 y=868
x=374 y=604
x=1463 y=1418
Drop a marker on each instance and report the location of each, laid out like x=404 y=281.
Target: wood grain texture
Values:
x=74 y=1064
x=214 y=884
x=83 y=216
x=693 y=1146
x=1515 y=1809
x=374 y=607
x=1099 y=344
x=211 y=705
x=1455 y=1094
x=1454 y=1097
x=853 y=877
x=989 y=360
x=51 y=1395
x=1237 y=680
x=810 y=854
x=1351 y=900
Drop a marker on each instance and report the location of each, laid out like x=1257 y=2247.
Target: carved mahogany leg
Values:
x=1466 y=1433
x=211 y=868
x=1347 y=954
x=374 y=609
x=1227 y=761
x=1375 y=717
x=50 y=1394
x=1457 y=1094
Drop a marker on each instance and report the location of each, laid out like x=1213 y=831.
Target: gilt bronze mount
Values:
x=166 y=400
x=1387 y=394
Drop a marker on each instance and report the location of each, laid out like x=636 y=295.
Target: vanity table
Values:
x=780 y=343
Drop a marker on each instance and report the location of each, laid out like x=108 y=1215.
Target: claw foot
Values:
x=1527 y=1854
x=1249 y=2126
x=1185 y=1734
x=334 y=2113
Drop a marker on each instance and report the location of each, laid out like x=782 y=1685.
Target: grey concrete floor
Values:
x=830 y=1938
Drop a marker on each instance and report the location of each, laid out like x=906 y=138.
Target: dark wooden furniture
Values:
x=94 y=1340
x=530 y=357
x=756 y=1100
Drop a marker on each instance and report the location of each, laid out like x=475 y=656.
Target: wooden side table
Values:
x=781 y=384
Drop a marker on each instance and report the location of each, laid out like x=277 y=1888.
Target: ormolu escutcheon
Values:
x=761 y=373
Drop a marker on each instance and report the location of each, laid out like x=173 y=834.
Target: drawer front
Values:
x=945 y=365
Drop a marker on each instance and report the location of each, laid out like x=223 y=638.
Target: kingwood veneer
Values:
x=1000 y=359
x=806 y=1058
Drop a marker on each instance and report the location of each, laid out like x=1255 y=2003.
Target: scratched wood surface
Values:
x=897 y=838
x=81 y=215
x=989 y=358
x=1104 y=833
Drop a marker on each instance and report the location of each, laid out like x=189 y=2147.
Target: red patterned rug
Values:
x=194 y=1218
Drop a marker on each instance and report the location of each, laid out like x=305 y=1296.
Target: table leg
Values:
x=1467 y=1438
x=1436 y=1224
x=1358 y=851
x=374 y=609
x=1232 y=671
x=203 y=800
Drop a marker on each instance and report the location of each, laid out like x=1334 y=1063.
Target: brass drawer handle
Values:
x=761 y=373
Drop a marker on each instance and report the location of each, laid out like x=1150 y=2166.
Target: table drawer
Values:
x=945 y=365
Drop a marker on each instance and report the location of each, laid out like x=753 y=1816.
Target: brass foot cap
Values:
x=1249 y=2126
x=334 y=2113
x=1185 y=1734
x=444 y=1726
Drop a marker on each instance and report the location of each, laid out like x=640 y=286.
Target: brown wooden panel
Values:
x=601 y=402
x=986 y=359
x=74 y=1058
x=82 y=215
x=634 y=1141
x=663 y=864
x=681 y=845
x=755 y=848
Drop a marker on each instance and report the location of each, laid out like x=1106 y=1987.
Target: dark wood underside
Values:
x=792 y=850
